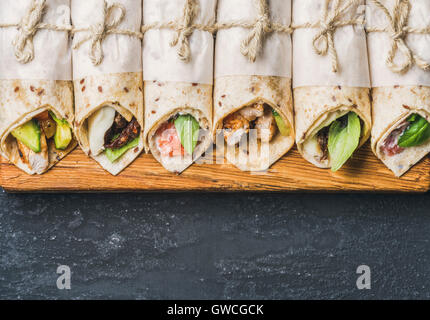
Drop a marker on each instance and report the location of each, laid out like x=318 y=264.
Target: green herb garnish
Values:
x=417 y=133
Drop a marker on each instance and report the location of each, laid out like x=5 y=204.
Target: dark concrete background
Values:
x=215 y=246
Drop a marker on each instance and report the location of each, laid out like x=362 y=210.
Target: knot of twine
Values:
x=184 y=29
x=398 y=30
x=27 y=28
x=323 y=42
x=98 y=31
x=253 y=43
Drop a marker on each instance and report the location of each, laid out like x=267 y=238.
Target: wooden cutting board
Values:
x=78 y=173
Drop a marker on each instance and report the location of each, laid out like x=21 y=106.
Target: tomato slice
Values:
x=168 y=142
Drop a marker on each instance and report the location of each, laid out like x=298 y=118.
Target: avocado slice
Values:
x=63 y=133
x=29 y=135
x=283 y=129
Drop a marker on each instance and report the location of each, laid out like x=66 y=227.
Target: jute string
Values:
x=27 y=28
x=99 y=31
x=398 y=30
x=323 y=43
x=332 y=19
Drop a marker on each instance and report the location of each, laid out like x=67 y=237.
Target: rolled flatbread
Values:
x=36 y=95
x=253 y=106
x=163 y=103
x=178 y=92
x=250 y=101
x=108 y=82
x=22 y=101
x=401 y=95
x=316 y=108
x=122 y=93
x=331 y=92
x=393 y=108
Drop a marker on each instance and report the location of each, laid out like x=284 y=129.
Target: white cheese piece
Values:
x=98 y=124
x=312 y=147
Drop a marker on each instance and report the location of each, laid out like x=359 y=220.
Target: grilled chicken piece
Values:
x=235 y=126
x=266 y=127
x=252 y=112
x=238 y=124
x=39 y=162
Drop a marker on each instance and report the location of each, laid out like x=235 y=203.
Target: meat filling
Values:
x=391 y=147
x=322 y=138
x=121 y=132
x=258 y=116
x=38 y=161
x=120 y=121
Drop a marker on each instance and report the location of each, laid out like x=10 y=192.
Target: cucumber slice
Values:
x=63 y=133
x=114 y=155
x=283 y=128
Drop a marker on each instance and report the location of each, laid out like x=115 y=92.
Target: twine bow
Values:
x=98 y=31
x=323 y=42
x=399 y=30
x=184 y=29
x=27 y=28
x=253 y=43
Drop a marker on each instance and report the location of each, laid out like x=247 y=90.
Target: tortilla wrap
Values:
x=392 y=106
x=21 y=101
x=164 y=100
x=233 y=93
x=315 y=105
x=123 y=92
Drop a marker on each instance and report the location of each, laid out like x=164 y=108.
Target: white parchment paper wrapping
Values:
x=276 y=55
x=380 y=43
x=311 y=69
x=160 y=60
x=122 y=53
x=52 y=53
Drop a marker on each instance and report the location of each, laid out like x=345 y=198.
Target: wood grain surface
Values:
x=78 y=173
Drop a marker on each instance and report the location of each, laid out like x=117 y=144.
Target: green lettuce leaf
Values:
x=114 y=155
x=188 y=131
x=343 y=141
x=416 y=134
